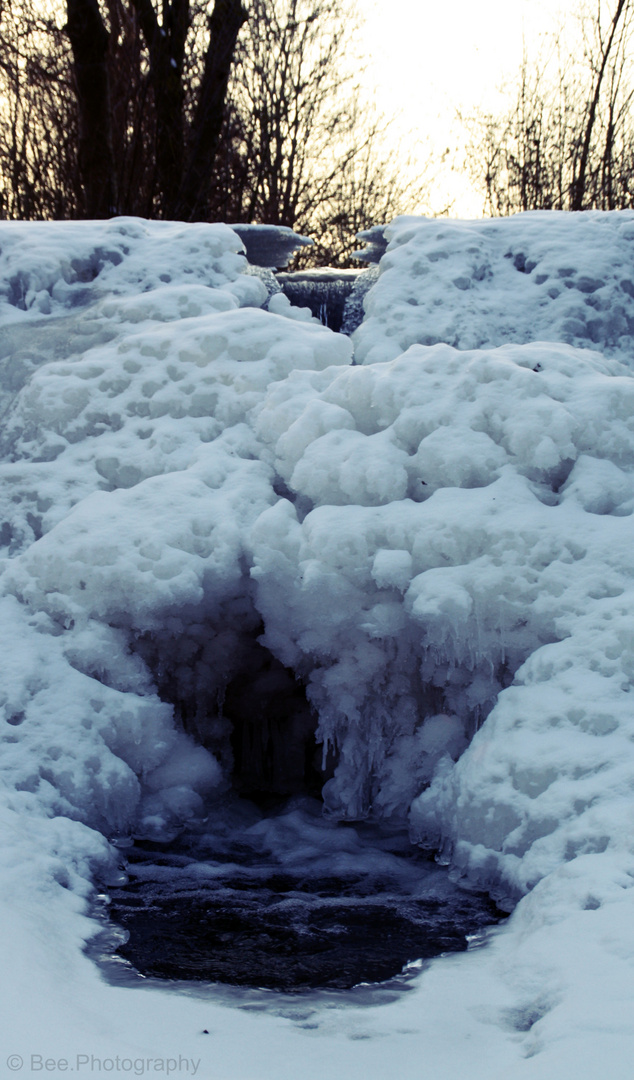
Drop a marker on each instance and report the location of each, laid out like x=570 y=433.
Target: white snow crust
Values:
x=437 y=540
x=538 y=276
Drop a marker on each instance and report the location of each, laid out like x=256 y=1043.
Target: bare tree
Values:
x=607 y=51
x=38 y=119
x=138 y=104
x=185 y=153
x=225 y=22
x=303 y=145
x=89 y=40
x=567 y=140
x=180 y=109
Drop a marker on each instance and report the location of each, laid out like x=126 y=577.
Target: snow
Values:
x=534 y=277
x=436 y=539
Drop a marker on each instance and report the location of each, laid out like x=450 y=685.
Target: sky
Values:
x=429 y=60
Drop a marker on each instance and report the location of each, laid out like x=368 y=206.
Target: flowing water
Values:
x=289 y=901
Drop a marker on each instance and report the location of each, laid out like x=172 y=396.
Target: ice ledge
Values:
x=270 y=246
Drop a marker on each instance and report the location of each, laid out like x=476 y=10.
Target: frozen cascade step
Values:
x=327 y=291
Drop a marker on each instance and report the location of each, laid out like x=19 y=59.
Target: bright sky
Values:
x=430 y=58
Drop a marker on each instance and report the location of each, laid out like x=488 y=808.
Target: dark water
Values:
x=324 y=291
x=289 y=903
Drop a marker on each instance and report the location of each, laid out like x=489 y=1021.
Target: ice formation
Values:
x=435 y=540
x=270 y=245
x=324 y=291
x=376 y=244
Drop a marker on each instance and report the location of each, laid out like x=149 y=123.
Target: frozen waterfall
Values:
x=243 y=554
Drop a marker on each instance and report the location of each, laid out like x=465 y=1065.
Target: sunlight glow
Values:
x=430 y=62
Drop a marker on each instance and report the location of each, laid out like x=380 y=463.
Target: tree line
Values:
x=194 y=111
x=566 y=140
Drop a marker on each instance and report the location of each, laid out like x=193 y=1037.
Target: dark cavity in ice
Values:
x=326 y=292
x=237 y=700
x=288 y=901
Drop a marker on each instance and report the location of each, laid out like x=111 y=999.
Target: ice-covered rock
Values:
x=354 y=310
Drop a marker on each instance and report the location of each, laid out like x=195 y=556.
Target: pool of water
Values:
x=289 y=901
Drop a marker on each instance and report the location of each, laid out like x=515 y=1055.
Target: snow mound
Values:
x=538 y=276
x=131 y=479
x=47 y=266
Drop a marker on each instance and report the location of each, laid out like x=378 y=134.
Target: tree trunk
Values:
x=166 y=46
x=579 y=184
x=89 y=41
x=224 y=26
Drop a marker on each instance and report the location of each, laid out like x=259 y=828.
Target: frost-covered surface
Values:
x=540 y=276
x=436 y=541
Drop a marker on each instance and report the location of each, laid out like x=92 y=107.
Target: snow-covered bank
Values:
x=436 y=541
x=541 y=276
